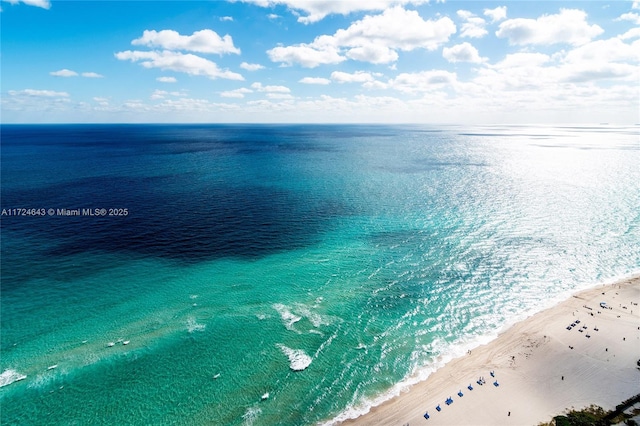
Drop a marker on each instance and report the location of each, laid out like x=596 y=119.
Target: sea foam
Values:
x=316 y=319
x=192 y=325
x=288 y=318
x=251 y=415
x=10 y=376
x=298 y=359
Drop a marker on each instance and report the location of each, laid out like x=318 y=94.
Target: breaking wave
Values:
x=10 y=376
x=298 y=359
x=288 y=318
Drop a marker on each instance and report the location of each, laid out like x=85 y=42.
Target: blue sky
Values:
x=377 y=61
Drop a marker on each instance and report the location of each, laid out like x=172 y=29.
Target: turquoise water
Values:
x=288 y=274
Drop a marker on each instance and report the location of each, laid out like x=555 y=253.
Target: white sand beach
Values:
x=541 y=367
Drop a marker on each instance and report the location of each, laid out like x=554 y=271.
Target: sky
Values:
x=309 y=61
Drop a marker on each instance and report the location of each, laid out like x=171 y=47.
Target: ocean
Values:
x=287 y=274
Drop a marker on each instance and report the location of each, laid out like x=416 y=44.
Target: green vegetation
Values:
x=597 y=416
x=590 y=416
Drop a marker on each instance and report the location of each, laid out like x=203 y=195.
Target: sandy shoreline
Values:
x=541 y=367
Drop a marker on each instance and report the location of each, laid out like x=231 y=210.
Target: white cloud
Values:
x=175 y=61
x=103 y=102
x=497 y=14
x=581 y=76
x=162 y=94
x=64 y=73
x=188 y=105
x=279 y=96
x=136 y=105
x=44 y=103
x=385 y=103
x=517 y=72
x=251 y=67
x=166 y=79
x=45 y=4
x=306 y=55
x=605 y=51
x=204 y=41
x=464 y=52
x=271 y=89
x=569 y=26
x=273 y=16
x=226 y=18
x=375 y=84
x=372 y=39
x=69 y=73
x=522 y=73
x=39 y=93
x=357 y=77
x=522 y=60
x=473 y=27
x=263 y=105
x=397 y=28
x=601 y=72
x=602 y=59
x=424 y=81
x=341 y=109
x=631 y=16
x=159 y=94
x=373 y=53
x=632 y=33
x=314 y=80
x=316 y=10
x=635 y=4
x=565 y=81
x=237 y=93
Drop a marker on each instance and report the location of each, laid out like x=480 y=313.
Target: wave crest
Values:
x=288 y=318
x=10 y=376
x=298 y=359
